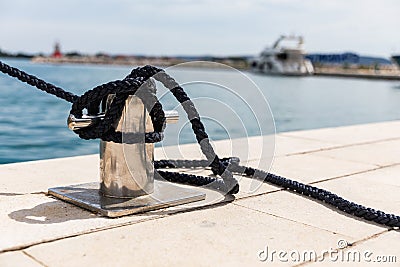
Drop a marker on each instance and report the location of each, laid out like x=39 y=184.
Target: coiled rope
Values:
x=224 y=168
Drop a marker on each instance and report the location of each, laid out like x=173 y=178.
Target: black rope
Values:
x=222 y=167
x=38 y=83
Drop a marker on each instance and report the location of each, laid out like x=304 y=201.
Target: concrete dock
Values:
x=363 y=74
x=268 y=226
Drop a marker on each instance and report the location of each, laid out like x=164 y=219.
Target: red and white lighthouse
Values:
x=57 y=51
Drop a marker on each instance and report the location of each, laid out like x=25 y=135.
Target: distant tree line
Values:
x=15 y=55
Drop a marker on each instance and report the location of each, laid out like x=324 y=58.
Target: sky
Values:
x=198 y=27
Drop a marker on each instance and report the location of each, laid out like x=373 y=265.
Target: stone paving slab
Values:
x=38 y=176
x=381 y=250
x=286 y=205
x=17 y=258
x=312 y=167
x=226 y=235
x=288 y=145
x=379 y=189
x=34 y=218
x=380 y=153
x=354 y=134
x=37 y=218
x=209 y=232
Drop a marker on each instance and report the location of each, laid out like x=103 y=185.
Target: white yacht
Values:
x=285 y=57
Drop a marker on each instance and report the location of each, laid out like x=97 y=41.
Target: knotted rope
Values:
x=225 y=167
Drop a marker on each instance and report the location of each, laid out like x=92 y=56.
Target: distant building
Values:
x=396 y=59
x=347 y=58
x=57 y=51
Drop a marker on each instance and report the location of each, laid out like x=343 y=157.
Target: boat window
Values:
x=282 y=56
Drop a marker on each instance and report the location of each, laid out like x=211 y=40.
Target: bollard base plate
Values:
x=87 y=196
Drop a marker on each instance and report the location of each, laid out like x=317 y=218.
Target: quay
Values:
x=360 y=163
x=359 y=73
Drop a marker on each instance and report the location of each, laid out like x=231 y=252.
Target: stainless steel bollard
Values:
x=127 y=184
x=126 y=170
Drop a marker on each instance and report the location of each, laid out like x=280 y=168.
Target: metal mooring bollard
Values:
x=127 y=183
x=126 y=170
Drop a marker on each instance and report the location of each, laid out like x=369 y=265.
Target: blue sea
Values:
x=33 y=123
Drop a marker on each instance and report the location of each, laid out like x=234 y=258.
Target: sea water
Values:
x=33 y=123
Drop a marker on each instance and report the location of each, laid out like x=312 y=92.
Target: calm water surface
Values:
x=33 y=124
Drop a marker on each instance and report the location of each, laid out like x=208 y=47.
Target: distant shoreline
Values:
x=238 y=63
x=105 y=61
